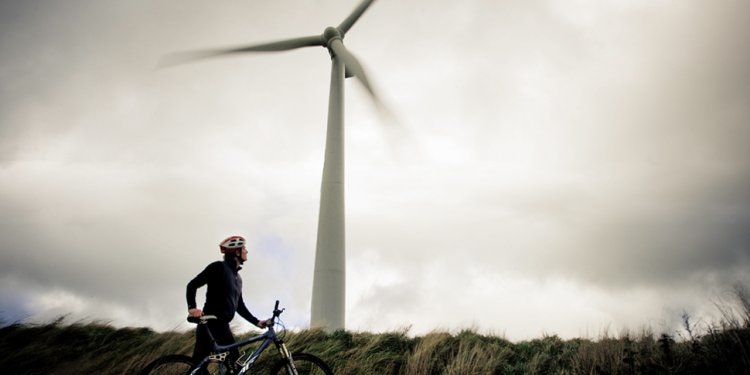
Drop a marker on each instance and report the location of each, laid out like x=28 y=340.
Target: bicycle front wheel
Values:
x=306 y=364
x=174 y=364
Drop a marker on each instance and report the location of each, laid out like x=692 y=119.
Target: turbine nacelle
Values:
x=329 y=35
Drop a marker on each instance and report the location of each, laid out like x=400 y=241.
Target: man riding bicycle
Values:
x=223 y=297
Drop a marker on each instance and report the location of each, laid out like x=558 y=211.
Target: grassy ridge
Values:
x=720 y=348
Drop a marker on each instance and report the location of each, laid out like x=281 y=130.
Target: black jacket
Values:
x=223 y=294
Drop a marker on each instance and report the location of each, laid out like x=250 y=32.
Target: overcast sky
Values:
x=560 y=167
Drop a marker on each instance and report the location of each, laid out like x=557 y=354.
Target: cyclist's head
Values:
x=232 y=247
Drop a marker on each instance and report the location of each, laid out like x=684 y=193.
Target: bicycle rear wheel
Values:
x=173 y=364
x=306 y=364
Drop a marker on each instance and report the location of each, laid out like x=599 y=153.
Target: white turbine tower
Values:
x=328 y=296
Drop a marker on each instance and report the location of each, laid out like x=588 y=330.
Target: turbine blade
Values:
x=355 y=68
x=277 y=46
x=352 y=64
x=358 y=11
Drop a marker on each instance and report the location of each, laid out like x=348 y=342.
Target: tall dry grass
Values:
x=721 y=347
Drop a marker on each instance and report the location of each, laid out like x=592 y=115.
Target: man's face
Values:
x=243 y=254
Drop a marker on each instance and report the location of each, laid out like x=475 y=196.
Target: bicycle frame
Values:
x=221 y=352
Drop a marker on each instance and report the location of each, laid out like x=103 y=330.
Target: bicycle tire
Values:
x=173 y=364
x=306 y=364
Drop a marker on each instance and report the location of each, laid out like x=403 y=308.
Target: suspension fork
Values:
x=287 y=356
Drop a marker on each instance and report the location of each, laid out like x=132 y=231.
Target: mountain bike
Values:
x=219 y=362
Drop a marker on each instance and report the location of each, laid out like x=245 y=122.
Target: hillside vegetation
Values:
x=719 y=348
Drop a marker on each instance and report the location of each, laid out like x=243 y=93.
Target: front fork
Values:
x=288 y=356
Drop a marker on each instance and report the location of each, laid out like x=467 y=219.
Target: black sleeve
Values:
x=194 y=284
x=245 y=313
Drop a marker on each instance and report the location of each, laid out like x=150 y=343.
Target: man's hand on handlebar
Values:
x=264 y=323
x=195 y=313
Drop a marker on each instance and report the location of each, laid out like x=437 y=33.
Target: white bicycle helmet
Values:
x=232 y=243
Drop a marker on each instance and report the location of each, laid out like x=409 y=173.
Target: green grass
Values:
x=95 y=348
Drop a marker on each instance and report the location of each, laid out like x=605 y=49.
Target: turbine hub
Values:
x=331 y=33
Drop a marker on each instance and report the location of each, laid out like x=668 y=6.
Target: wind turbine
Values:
x=329 y=290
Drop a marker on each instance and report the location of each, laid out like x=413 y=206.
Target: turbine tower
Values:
x=329 y=290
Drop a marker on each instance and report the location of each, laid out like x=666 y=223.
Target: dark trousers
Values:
x=221 y=333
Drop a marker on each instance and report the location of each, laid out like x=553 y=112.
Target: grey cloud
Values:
x=607 y=150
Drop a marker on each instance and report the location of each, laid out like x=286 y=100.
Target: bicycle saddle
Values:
x=201 y=319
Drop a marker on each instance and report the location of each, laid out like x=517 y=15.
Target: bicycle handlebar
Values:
x=276 y=311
